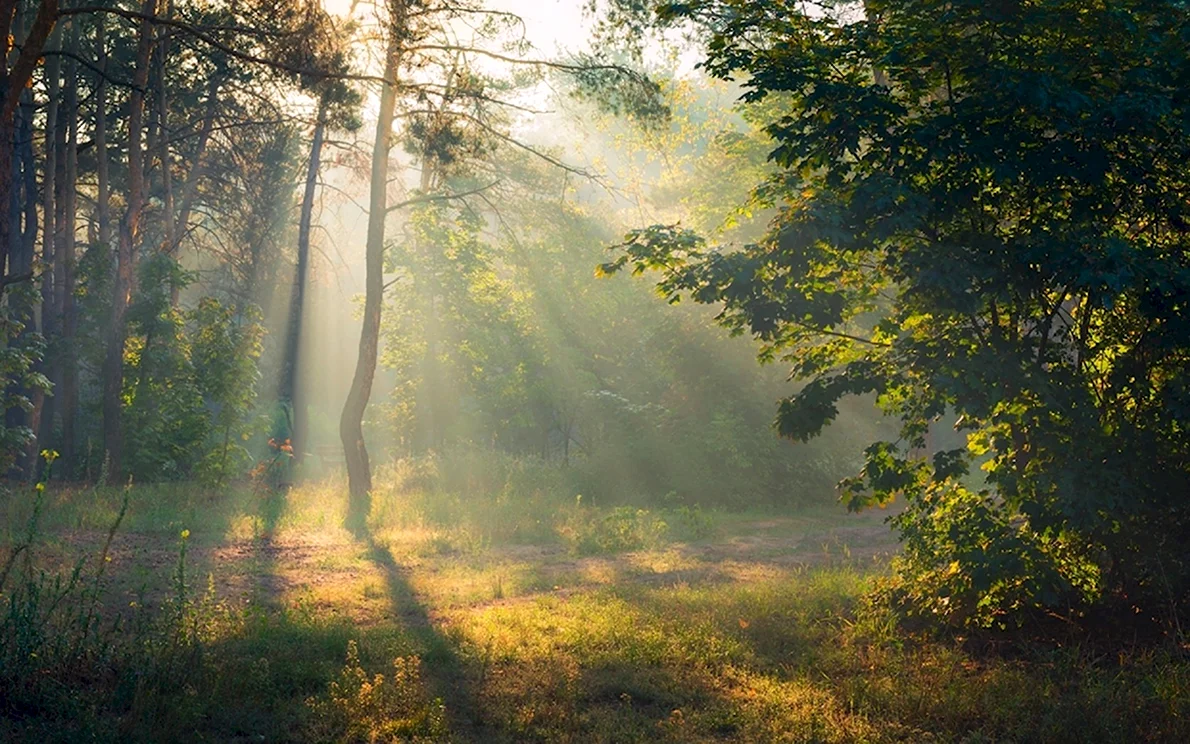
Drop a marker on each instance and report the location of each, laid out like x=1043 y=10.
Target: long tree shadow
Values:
x=447 y=672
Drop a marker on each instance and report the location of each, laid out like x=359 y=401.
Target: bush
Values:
x=190 y=383
x=19 y=354
x=691 y=523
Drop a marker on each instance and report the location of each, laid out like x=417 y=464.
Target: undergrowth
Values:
x=74 y=666
x=797 y=654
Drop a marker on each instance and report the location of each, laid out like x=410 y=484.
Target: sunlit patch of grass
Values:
x=784 y=661
x=768 y=708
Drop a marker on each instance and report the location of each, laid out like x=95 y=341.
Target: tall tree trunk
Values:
x=162 y=129
x=167 y=181
x=13 y=81
x=113 y=363
x=28 y=188
x=68 y=396
x=42 y=413
x=103 y=207
x=7 y=131
x=351 y=430
x=291 y=394
x=20 y=242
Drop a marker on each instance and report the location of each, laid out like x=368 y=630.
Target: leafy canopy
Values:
x=984 y=218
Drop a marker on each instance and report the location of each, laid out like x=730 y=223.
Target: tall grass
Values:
x=74 y=666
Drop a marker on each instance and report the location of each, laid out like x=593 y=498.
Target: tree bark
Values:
x=167 y=181
x=103 y=207
x=20 y=241
x=355 y=451
x=42 y=415
x=432 y=400
x=68 y=404
x=113 y=363
x=291 y=394
x=12 y=83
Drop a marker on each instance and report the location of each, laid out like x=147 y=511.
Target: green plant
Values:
x=226 y=343
x=20 y=352
x=191 y=381
x=358 y=707
x=592 y=531
x=57 y=627
x=50 y=621
x=691 y=522
x=966 y=231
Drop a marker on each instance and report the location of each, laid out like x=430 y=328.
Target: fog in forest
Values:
x=594 y=370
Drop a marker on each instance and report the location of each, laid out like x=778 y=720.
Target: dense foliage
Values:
x=984 y=221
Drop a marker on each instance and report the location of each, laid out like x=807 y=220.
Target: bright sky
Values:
x=549 y=23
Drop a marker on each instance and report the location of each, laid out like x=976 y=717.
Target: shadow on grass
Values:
x=446 y=670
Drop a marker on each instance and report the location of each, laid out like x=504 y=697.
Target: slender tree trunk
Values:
x=69 y=393
x=113 y=363
x=162 y=129
x=7 y=132
x=431 y=374
x=103 y=206
x=13 y=81
x=351 y=431
x=167 y=181
x=6 y=189
x=291 y=394
x=20 y=244
x=57 y=300
x=42 y=414
x=12 y=146
x=24 y=133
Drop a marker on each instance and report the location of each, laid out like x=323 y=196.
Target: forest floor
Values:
x=754 y=631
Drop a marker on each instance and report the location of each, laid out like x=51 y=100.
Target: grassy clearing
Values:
x=493 y=618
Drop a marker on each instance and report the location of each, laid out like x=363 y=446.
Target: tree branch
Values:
x=428 y=198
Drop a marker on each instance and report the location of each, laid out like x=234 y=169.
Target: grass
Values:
x=488 y=617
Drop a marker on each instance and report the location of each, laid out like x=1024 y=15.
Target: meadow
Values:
x=505 y=611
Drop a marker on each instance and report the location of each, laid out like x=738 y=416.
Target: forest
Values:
x=595 y=371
